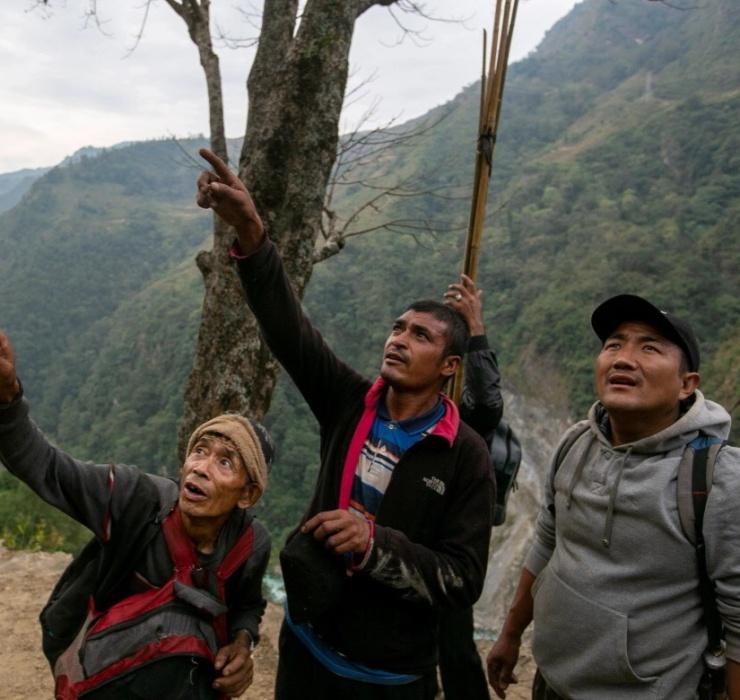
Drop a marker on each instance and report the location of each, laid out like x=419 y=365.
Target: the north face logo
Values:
x=435 y=484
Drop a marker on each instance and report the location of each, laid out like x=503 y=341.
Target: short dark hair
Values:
x=457 y=332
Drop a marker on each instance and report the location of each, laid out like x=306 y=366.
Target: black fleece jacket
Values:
x=432 y=528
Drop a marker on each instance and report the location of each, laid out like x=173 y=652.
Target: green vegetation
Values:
x=617 y=169
x=26 y=522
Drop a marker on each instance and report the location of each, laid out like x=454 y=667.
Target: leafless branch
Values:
x=335 y=231
x=361 y=149
x=399 y=9
x=252 y=18
x=90 y=13
x=140 y=34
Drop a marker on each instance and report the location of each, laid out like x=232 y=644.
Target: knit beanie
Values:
x=250 y=438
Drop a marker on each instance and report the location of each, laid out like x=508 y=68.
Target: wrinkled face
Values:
x=413 y=358
x=214 y=481
x=638 y=371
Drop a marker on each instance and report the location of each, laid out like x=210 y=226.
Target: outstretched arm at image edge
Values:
x=9 y=385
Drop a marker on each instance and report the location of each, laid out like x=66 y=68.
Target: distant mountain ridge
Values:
x=15 y=184
x=616 y=170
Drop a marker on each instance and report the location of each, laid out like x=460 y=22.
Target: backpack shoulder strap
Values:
x=569 y=439
x=238 y=554
x=694 y=482
x=695 y=471
x=181 y=547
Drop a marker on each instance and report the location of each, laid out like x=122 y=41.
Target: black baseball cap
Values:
x=628 y=307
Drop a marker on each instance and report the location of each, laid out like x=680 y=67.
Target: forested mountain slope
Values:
x=617 y=169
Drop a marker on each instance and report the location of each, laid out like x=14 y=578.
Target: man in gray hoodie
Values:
x=611 y=580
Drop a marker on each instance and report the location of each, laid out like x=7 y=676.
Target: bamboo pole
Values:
x=490 y=109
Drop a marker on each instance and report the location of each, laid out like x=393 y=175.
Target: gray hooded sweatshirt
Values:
x=617 y=612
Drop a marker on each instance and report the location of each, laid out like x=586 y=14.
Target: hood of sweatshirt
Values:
x=700 y=417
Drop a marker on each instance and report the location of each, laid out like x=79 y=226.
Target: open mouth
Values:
x=394 y=357
x=622 y=380
x=193 y=490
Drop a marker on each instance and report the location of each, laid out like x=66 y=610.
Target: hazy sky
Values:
x=64 y=86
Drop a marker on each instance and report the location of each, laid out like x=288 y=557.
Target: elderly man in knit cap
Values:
x=166 y=600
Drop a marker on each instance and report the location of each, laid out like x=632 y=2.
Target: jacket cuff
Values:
x=15 y=401
x=537 y=558
x=257 y=256
x=478 y=343
x=356 y=565
x=251 y=643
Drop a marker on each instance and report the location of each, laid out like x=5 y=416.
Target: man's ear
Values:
x=450 y=365
x=689 y=384
x=252 y=494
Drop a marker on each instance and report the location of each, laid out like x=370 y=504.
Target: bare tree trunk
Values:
x=296 y=89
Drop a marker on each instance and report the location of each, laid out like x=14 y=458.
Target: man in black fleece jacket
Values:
x=404 y=490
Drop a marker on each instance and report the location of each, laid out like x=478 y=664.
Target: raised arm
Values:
x=82 y=490
x=9 y=385
x=291 y=337
x=222 y=191
x=464 y=297
x=482 y=405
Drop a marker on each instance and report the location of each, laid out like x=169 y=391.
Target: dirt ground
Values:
x=26 y=579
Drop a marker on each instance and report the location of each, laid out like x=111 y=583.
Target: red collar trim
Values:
x=446 y=428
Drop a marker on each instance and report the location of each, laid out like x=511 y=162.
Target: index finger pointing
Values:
x=218 y=165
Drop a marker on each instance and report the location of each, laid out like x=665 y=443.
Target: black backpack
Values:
x=506 y=454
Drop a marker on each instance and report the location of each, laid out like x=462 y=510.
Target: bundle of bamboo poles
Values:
x=492 y=93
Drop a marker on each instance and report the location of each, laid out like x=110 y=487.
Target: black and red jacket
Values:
x=433 y=526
